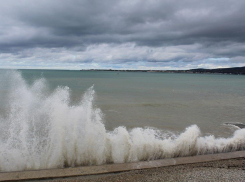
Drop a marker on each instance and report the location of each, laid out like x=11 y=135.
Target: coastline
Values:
x=223 y=170
x=170 y=167
x=231 y=71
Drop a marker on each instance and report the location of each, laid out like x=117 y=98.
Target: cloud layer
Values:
x=129 y=34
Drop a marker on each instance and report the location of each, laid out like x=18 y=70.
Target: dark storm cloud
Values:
x=217 y=27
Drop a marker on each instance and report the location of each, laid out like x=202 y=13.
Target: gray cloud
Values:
x=168 y=31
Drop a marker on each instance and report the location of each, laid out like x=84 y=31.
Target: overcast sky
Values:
x=126 y=34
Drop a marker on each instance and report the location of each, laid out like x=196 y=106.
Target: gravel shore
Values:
x=223 y=170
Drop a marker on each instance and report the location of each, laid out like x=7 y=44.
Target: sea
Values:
x=57 y=118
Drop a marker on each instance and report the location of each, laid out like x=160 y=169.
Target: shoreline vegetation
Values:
x=233 y=71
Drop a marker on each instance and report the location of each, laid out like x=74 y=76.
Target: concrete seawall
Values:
x=112 y=168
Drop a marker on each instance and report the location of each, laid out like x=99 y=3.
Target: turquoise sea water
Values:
x=162 y=100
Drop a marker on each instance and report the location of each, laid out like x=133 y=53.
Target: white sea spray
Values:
x=43 y=130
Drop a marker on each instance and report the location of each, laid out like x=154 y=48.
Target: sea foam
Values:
x=42 y=130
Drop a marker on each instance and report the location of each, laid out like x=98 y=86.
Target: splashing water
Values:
x=42 y=130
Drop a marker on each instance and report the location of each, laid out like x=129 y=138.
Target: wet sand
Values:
x=223 y=170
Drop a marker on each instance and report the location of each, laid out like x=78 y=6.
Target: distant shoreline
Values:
x=233 y=71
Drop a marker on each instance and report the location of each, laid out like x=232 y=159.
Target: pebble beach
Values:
x=223 y=170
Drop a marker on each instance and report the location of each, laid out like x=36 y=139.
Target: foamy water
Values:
x=42 y=130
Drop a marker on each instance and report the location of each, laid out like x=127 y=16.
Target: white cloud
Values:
x=118 y=56
x=121 y=34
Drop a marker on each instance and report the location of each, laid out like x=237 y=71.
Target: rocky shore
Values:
x=223 y=170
